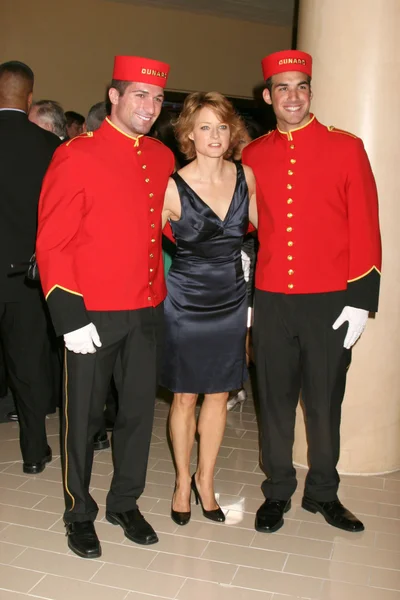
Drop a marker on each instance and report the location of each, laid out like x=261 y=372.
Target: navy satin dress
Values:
x=206 y=306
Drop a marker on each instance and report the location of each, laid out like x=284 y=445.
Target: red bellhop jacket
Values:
x=99 y=235
x=318 y=222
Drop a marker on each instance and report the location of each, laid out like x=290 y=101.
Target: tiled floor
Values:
x=203 y=560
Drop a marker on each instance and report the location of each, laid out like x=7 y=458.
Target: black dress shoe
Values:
x=101 y=441
x=37 y=467
x=180 y=518
x=334 y=513
x=214 y=515
x=12 y=415
x=135 y=526
x=83 y=540
x=269 y=517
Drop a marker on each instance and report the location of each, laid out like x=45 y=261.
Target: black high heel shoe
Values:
x=180 y=518
x=213 y=515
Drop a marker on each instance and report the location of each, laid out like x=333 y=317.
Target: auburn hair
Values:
x=224 y=110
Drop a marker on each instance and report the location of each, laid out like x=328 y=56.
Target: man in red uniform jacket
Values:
x=317 y=277
x=100 y=262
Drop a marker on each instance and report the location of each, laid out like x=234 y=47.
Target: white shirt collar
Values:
x=14 y=109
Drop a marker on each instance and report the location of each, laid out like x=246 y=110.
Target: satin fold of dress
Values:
x=206 y=305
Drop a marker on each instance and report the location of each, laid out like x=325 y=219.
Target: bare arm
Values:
x=172 y=203
x=251 y=184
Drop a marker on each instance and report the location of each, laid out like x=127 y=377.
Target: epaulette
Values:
x=334 y=129
x=260 y=138
x=153 y=139
x=87 y=134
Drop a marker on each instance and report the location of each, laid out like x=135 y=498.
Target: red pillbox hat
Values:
x=287 y=60
x=141 y=70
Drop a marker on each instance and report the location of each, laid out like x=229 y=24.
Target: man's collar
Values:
x=14 y=110
x=289 y=134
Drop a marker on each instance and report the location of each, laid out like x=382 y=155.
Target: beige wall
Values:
x=70 y=46
x=355 y=77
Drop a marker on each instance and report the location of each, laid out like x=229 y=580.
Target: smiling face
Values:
x=211 y=136
x=290 y=98
x=135 y=111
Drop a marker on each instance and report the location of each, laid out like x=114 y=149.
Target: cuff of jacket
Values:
x=67 y=310
x=364 y=292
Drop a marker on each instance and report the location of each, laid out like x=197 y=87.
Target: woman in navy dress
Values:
x=208 y=204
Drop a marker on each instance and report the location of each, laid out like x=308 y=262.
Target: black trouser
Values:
x=3 y=374
x=131 y=341
x=297 y=349
x=24 y=334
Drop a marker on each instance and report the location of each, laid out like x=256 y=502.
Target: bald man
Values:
x=25 y=153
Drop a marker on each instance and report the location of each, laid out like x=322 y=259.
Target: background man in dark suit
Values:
x=25 y=153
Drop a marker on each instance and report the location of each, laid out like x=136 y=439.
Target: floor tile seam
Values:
x=337 y=544
x=347 y=543
x=42 y=479
x=27 y=594
x=239 y=546
x=345 y=562
x=36 y=571
x=234 y=575
x=313 y=556
x=391 y=589
x=156 y=554
x=180 y=555
x=360 y=511
x=373 y=567
x=285 y=563
x=23 y=548
x=287 y=536
x=397 y=550
x=194 y=577
x=2 y=487
x=240 y=566
x=283 y=574
x=229 y=442
x=186 y=537
x=45 y=512
x=179 y=591
x=154 y=470
x=53 y=552
x=366 y=489
x=198 y=558
x=101 y=564
x=237 y=471
x=39 y=501
x=30 y=527
x=132 y=590
x=104 y=585
x=33 y=587
x=205 y=548
x=332 y=551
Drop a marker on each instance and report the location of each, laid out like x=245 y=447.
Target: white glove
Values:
x=245 y=265
x=357 y=318
x=83 y=340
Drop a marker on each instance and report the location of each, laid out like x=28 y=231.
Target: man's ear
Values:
x=267 y=96
x=113 y=94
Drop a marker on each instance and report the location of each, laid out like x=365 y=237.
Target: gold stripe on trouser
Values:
x=66 y=432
